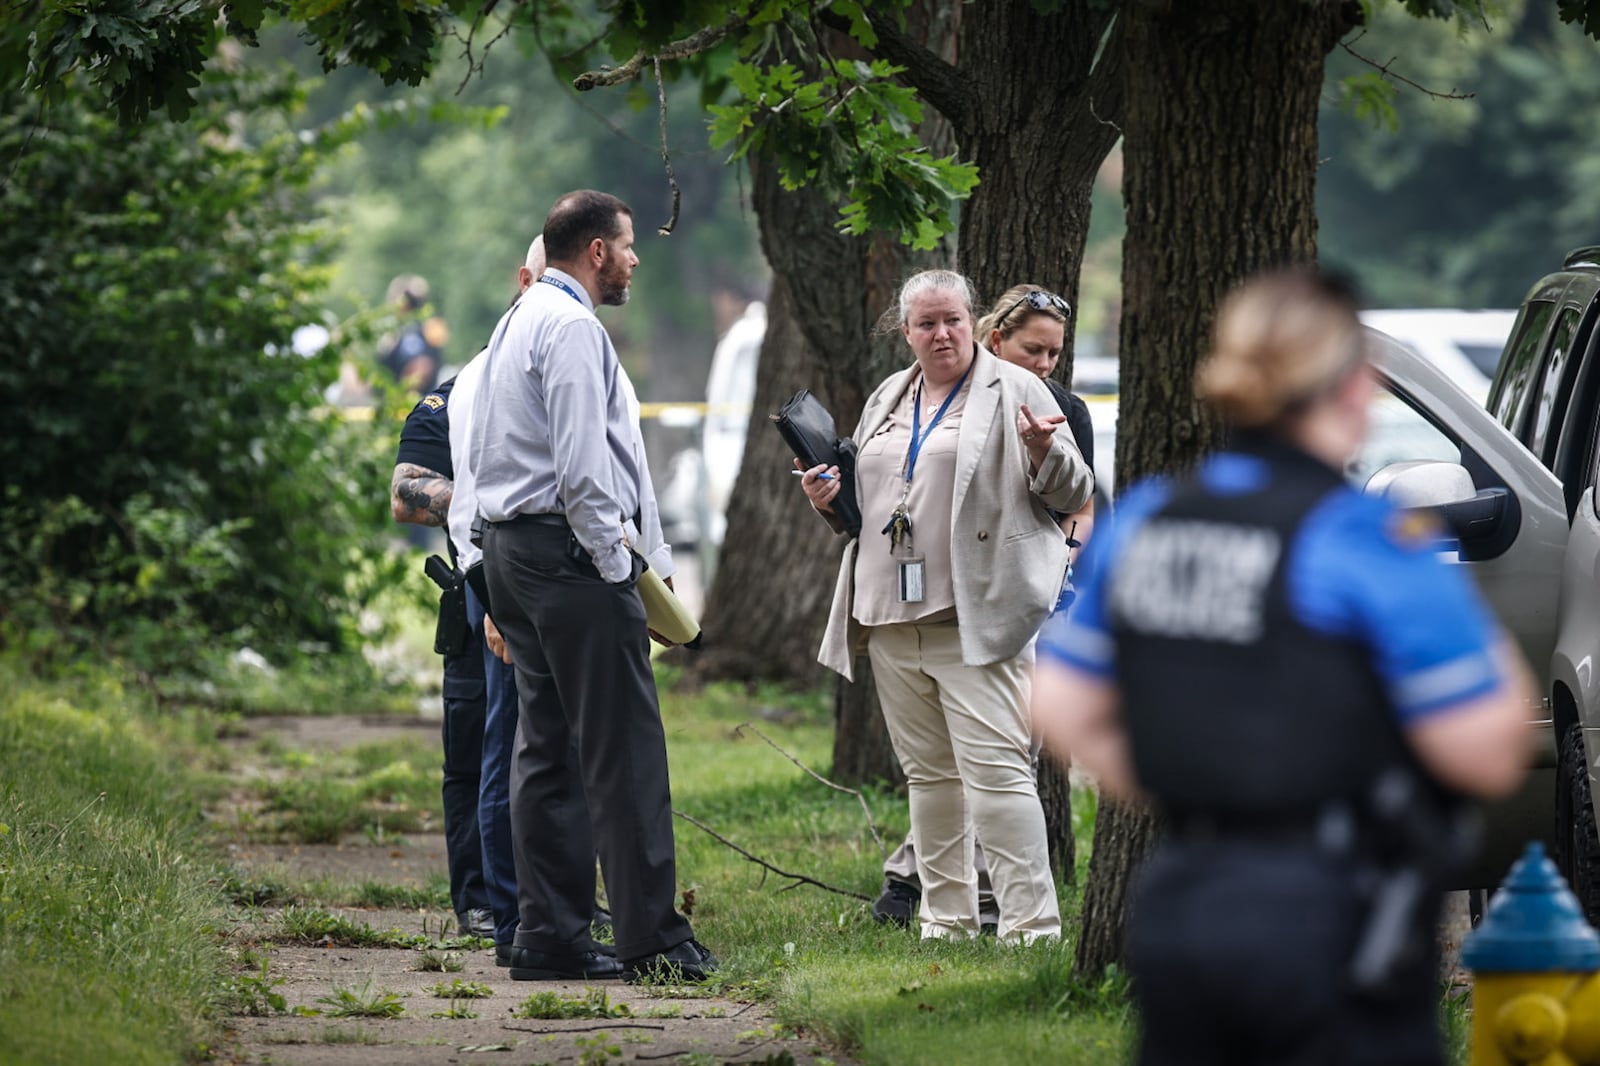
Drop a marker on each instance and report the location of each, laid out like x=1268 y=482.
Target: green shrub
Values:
x=171 y=472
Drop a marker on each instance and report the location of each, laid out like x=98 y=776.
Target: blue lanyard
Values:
x=563 y=286
x=919 y=438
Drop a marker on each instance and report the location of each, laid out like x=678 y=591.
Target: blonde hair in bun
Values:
x=1281 y=340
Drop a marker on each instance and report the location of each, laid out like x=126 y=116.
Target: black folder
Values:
x=808 y=429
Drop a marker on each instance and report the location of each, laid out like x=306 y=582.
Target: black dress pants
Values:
x=1239 y=953
x=584 y=686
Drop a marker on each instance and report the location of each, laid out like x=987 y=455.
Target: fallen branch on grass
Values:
x=798 y=879
x=872 y=826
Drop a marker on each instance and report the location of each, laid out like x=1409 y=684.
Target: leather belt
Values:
x=545 y=518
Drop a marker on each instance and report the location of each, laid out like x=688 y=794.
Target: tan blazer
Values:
x=1008 y=557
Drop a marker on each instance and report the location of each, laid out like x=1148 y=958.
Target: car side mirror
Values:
x=1422 y=483
x=1484 y=521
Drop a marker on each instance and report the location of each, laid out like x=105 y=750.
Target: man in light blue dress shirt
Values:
x=571 y=524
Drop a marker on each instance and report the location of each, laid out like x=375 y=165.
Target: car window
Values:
x=1552 y=400
x=1517 y=366
x=1486 y=357
x=1398 y=431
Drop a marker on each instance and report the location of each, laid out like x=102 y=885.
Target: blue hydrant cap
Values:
x=1533 y=925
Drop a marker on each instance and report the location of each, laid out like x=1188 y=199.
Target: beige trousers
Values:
x=962 y=736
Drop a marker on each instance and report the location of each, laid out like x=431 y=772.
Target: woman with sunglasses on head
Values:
x=1025 y=327
x=1028 y=327
x=1285 y=669
x=958 y=563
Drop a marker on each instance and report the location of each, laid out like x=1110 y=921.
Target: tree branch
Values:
x=872 y=826
x=798 y=879
x=693 y=44
x=666 y=157
x=1383 y=69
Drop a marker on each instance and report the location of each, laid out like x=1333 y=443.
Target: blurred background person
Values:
x=956 y=471
x=413 y=353
x=1027 y=326
x=1284 y=667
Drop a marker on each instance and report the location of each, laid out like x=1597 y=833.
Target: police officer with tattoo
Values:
x=420 y=493
x=1285 y=669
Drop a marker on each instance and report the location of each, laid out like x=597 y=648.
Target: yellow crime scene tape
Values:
x=664 y=409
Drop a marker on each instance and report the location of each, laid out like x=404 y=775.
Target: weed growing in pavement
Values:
x=671 y=1010
x=596 y=1050
x=246 y=890
x=379 y=789
x=459 y=989
x=348 y=1034
x=455 y=1011
x=255 y=994
x=595 y=1003
x=362 y=1002
x=312 y=925
x=441 y=962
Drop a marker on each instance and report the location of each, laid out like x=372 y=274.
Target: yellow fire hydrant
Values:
x=1536 y=990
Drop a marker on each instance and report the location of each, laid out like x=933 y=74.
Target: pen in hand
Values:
x=824 y=476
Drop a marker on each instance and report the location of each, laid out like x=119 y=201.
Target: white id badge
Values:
x=912 y=572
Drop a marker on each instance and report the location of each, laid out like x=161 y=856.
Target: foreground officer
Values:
x=1287 y=671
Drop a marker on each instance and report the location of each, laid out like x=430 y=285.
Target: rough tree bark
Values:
x=1219 y=181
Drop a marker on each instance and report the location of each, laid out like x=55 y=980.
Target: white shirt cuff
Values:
x=615 y=565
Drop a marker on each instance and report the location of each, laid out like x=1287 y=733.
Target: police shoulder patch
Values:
x=1414 y=529
x=433 y=401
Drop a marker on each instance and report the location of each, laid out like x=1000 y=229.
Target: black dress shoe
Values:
x=476 y=921
x=530 y=965
x=898 y=903
x=681 y=964
x=503 y=953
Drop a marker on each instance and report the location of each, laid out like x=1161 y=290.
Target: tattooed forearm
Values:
x=419 y=495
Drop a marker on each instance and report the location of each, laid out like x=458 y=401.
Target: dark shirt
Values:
x=425 y=439
x=1078 y=420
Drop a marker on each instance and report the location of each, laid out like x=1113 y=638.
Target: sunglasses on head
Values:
x=1039 y=300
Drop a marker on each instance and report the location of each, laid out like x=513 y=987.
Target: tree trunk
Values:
x=1220 y=175
x=1042 y=119
x=1038 y=153
x=1055 y=796
x=776 y=574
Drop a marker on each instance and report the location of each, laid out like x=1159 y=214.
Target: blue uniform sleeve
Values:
x=1080 y=637
x=425 y=438
x=1363 y=570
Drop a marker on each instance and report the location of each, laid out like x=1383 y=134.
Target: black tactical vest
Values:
x=1233 y=708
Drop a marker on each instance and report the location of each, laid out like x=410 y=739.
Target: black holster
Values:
x=1423 y=837
x=451 y=633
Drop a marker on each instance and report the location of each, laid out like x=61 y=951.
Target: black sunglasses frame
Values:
x=1039 y=300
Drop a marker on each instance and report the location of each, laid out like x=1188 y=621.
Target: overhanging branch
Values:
x=691 y=45
x=1389 y=75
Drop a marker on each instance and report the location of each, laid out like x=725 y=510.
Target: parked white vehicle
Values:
x=1465 y=345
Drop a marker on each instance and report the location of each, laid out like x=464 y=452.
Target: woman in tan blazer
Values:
x=960 y=565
